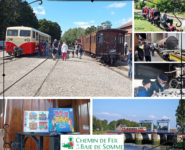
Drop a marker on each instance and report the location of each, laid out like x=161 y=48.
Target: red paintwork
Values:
x=9 y=46
x=71 y=143
x=28 y=48
x=133 y=130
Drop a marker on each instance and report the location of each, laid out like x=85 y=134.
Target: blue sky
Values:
x=136 y=110
x=83 y=14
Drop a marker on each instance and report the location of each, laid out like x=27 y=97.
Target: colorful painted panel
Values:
x=35 y=121
x=61 y=120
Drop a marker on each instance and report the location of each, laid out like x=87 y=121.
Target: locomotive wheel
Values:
x=174 y=83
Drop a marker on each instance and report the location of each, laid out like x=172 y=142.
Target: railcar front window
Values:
x=24 y=33
x=12 y=33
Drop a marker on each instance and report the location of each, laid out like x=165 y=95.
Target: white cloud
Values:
x=112 y=13
x=109 y=114
x=116 y=5
x=165 y=117
x=152 y=116
x=84 y=24
x=39 y=10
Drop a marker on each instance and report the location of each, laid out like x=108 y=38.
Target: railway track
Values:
x=29 y=72
x=117 y=69
x=47 y=76
x=9 y=59
x=26 y=74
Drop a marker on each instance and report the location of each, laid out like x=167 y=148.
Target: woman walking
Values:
x=64 y=51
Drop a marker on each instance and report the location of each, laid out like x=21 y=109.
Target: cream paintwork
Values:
x=19 y=40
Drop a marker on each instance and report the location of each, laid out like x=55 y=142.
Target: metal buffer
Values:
x=147 y=121
x=164 y=121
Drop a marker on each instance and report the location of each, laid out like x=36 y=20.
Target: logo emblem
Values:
x=70 y=144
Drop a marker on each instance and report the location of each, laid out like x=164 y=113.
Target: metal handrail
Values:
x=36 y=1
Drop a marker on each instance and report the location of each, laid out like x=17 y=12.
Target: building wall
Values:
x=128 y=36
x=119 y=128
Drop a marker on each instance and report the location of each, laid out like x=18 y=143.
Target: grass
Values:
x=142 y=25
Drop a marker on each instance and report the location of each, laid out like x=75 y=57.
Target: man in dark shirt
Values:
x=159 y=85
x=147 y=52
x=166 y=20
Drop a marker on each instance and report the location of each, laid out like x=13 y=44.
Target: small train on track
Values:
x=24 y=40
x=108 y=44
x=134 y=129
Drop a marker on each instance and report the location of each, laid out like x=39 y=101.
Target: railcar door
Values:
x=120 y=44
x=100 y=48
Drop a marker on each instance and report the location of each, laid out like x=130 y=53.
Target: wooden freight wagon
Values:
x=14 y=117
x=107 y=44
x=87 y=43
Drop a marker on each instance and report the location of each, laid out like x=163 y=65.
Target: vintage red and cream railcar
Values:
x=107 y=44
x=24 y=40
x=134 y=129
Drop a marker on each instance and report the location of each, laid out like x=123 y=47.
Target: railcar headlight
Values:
x=28 y=40
x=9 y=39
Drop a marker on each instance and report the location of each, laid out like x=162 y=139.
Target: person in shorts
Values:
x=54 y=49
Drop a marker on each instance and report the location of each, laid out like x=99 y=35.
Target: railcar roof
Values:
x=113 y=30
x=27 y=28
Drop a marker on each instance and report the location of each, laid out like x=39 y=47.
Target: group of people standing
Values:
x=58 y=48
x=155 y=17
x=43 y=48
x=145 y=49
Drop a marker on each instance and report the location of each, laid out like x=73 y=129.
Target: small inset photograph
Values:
x=159 y=80
x=38 y=123
x=159 y=47
x=155 y=124
x=159 y=16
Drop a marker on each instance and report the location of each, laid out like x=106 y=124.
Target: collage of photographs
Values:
x=93 y=68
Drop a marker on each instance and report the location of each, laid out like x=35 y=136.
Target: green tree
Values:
x=180 y=116
x=73 y=34
x=51 y=28
x=92 y=29
x=106 y=25
x=171 y=5
x=26 y=16
x=15 y=13
x=112 y=125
